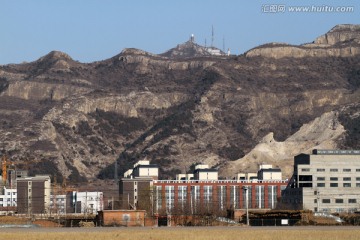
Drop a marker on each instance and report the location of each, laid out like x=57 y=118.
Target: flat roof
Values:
x=271 y=170
x=206 y=170
x=147 y=166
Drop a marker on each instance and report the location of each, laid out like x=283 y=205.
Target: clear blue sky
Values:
x=92 y=30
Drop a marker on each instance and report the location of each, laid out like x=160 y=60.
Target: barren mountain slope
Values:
x=72 y=119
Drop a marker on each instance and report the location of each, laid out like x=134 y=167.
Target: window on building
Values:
x=207 y=196
x=182 y=196
x=195 y=198
x=339 y=210
x=315 y=200
x=222 y=197
x=333 y=170
x=305 y=178
x=305 y=169
x=320 y=170
x=158 y=198
x=346 y=184
x=352 y=200
x=320 y=184
x=321 y=178
x=234 y=196
x=272 y=196
x=347 y=178
x=358 y=169
x=357 y=184
x=325 y=200
x=358 y=179
x=333 y=184
x=346 y=170
x=305 y=185
x=260 y=196
x=333 y=178
x=339 y=200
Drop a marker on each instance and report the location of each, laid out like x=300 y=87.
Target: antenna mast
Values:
x=212 y=35
x=223 y=44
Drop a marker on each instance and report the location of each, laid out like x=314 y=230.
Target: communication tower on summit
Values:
x=223 y=44
x=212 y=36
x=192 y=38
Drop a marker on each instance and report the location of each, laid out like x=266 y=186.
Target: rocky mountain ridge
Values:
x=76 y=120
x=340 y=41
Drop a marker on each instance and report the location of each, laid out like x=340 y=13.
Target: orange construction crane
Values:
x=4 y=167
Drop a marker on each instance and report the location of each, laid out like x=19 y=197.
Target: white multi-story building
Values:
x=8 y=197
x=58 y=204
x=88 y=202
x=325 y=181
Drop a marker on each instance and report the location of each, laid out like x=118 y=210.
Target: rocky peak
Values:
x=134 y=51
x=191 y=49
x=55 y=60
x=346 y=28
x=54 y=56
x=340 y=33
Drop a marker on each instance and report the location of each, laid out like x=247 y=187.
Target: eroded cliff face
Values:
x=75 y=120
x=321 y=133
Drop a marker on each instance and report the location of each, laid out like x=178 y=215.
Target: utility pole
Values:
x=245 y=188
x=116 y=177
x=318 y=201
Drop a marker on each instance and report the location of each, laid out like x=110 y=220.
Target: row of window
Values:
x=222 y=197
x=8 y=199
x=336 y=178
x=337 y=185
x=338 y=200
x=331 y=170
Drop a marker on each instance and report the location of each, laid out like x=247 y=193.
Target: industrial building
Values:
x=199 y=192
x=325 y=181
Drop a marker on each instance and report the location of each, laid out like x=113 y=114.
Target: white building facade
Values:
x=88 y=202
x=8 y=197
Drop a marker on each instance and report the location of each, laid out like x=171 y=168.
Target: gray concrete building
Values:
x=325 y=181
x=33 y=194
